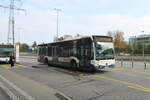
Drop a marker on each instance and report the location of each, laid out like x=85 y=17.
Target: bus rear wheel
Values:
x=46 y=61
x=73 y=65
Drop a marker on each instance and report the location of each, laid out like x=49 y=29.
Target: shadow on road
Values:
x=66 y=70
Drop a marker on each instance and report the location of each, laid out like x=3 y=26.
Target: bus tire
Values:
x=46 y=61
x=73 y=65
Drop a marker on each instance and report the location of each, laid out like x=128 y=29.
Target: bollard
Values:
x=144 y=65
x=144 y=62
x=132 y=62
x=121 y=62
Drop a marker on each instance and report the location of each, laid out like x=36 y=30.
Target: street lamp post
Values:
x=144 y=51
x=57 y=11
x=134 y=42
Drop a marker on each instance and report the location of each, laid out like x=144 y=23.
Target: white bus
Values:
x=5 y=52
x=92 y=52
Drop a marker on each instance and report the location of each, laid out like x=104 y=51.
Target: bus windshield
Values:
x=104 y=50
x=6 y=52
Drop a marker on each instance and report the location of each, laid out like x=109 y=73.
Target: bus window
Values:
x=65 y=52
x=49 y=51
x=58 y=51
x=53 y=51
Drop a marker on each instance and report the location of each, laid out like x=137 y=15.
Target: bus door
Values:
x=87 y=55
x=84 y=51
x=81 y=52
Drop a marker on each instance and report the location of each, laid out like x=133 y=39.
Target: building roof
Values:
x=70 y=39
x=140 y=36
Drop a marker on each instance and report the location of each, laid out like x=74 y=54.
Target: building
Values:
x=139 y=39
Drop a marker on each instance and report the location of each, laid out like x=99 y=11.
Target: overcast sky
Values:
x=84 y=17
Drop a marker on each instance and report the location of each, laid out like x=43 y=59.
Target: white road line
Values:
x=17 y=88
x=8 y=92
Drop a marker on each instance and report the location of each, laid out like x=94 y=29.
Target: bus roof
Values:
x=76 y=38
x=6 y=46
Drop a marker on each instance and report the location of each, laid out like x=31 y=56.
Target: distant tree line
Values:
x=121 y=46
x=24 y=47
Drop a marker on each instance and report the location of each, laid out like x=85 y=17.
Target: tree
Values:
x=65 y=37
x=34 y=44
x=121 y=46
x=60 y=39
x=24 y=47
x=34 y=47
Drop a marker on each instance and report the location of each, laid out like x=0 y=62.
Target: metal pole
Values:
x=144 y=51
x=121 y=61
x=13 y=27
x=19 y=36
x=132 y=62
x=57 y=22
x=11 y=22
x=132 y=59
x=57 y=11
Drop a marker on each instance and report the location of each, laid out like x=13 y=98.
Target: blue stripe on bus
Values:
x=102 y=67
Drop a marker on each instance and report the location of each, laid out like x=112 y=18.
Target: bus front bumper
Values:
x=102 y=64
x=4 y=59
x=103 y=67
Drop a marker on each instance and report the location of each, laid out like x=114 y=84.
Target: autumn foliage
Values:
x=121 y=46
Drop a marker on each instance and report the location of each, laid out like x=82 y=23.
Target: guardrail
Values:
x=135 y=58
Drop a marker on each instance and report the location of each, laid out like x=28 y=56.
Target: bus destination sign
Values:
x=104 y=39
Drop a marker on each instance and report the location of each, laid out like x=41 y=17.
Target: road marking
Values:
x=63 y=97
x=5 y=67
x=133 y=75
x=137 y=88
x=21 y=66
x=130 y=85
x=8 y=92
x=135 y=71
x=16 y=66
x=17 y=88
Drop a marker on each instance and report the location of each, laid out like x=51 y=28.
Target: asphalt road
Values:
x=35 y=81
x=3 y=95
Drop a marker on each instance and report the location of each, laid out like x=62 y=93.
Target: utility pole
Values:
x=11 y=21
x=57 y=11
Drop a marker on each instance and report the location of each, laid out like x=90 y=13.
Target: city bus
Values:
x=90 y=52
x=5 y=52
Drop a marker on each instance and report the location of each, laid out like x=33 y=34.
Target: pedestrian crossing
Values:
x=6 y=66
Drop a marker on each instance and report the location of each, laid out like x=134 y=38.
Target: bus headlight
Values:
x=94 y=62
